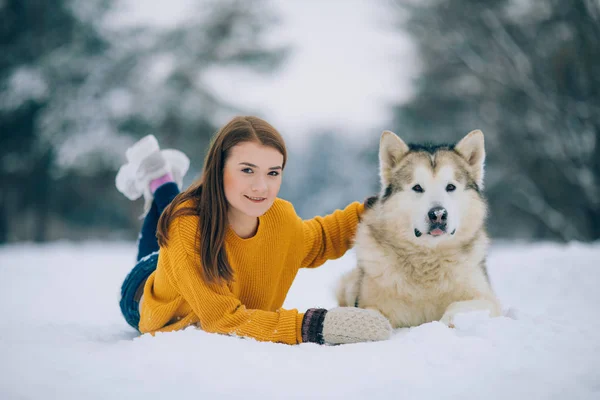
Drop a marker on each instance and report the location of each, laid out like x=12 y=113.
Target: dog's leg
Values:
x=346 y=289
x=468 y=306
x=359 y=284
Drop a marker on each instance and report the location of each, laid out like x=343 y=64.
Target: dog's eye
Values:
x=450 y=188
x=418 y=189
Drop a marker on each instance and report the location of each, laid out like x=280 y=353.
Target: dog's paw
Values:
x=468 y=306
x=448 y=320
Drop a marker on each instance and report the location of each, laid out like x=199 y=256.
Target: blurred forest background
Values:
x=75 y=92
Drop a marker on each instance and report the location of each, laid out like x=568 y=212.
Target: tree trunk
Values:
x=3 y=219
x=42 y=193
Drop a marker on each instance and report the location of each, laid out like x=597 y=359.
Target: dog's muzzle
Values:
x=437 y=229
x=442 y=230
x=437 y=218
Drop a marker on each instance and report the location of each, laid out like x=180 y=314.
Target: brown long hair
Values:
x=210 y=204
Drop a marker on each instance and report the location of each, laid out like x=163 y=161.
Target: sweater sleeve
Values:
x=218 y=310
x=328 y=238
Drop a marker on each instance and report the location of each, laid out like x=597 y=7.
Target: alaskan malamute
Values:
x=421 y=247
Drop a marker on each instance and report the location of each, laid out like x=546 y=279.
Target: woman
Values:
x=229 y=248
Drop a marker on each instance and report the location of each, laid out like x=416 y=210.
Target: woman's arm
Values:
x=217 y=309
x=327 y=238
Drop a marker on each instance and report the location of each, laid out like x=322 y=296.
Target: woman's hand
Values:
x=344 y=325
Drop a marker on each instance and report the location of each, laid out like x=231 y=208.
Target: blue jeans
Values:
x=147 y=256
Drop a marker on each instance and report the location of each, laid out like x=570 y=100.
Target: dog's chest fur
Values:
x=413 y=285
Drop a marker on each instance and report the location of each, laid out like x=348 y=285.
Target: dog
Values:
x=421 y=245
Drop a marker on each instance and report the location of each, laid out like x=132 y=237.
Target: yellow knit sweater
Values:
x=265 y=265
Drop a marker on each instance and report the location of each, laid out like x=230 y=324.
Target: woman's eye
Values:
x=450 y=188
x=274 y=173
x=418 y=189
x=247 y=170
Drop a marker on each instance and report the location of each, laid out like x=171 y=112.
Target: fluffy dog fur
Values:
x=421 y=247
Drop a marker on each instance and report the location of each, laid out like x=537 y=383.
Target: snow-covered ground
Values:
x=63 y=337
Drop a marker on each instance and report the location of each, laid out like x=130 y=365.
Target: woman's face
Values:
x=252 y=178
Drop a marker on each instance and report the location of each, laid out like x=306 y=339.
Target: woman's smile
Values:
x=256 y=199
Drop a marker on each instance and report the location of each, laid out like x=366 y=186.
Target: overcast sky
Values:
x=345 y=67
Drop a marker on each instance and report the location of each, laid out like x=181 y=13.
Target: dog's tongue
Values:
x=437 y=232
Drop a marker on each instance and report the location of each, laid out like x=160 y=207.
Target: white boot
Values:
x=145 y=162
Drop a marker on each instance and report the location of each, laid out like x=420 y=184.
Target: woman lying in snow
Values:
x=229 y=248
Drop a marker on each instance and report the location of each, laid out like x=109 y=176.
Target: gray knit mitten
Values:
x=344 y=325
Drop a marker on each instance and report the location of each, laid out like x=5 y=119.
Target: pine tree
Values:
x=528 y=74
x=75 y=91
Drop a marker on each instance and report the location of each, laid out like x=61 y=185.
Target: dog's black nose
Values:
x=437 y=214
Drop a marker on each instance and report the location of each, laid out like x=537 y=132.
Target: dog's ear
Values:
x=472 y=149
x=391 y=151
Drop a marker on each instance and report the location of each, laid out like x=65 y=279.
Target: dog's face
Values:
x=432 y=193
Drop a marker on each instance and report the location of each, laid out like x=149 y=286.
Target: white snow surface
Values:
x=63 y=337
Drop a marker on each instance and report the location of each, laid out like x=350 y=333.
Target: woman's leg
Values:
x=157 y=176
x=132 y=288
x=147 y=259
x=147 y=243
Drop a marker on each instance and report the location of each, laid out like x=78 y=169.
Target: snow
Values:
x=24 y=84
x=63 y=337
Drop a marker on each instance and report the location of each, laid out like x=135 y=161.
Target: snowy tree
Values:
x=35 y=36
x=527 y=73
x=76 y=90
